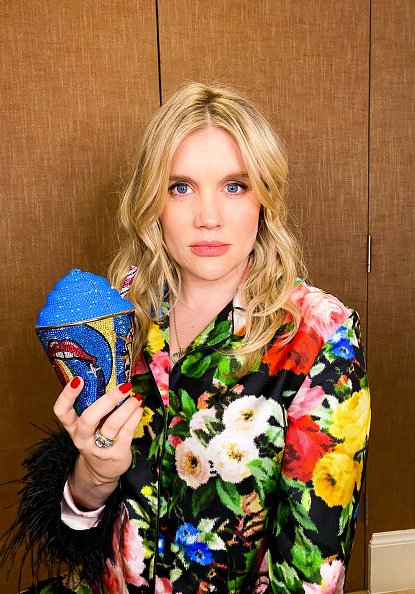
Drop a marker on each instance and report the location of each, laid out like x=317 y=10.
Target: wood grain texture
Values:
x=391 y=326
x=306 y=64
x=79 y=79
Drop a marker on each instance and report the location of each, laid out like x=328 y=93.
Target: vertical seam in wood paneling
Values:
x=158 y=52
x=366 y=502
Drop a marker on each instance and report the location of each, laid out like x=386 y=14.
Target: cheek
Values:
x=167 y=223
x=172 y=231
x=249 y=222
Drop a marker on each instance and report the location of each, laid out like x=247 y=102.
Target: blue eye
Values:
x=179 y=188
x=235 y=187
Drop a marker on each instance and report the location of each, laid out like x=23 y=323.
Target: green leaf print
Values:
x=234 y=586
x=218 y=333
x=306 y=501
x=179 y=489
x=284 y=579
x=142 y=383
x=83 y=589
x=155 y=446
x=214 y=542
x=202 y=497
x=224 y=367
x=283 y=513
x=306 y=556
x=196 y=364
x=229 y=496
x=265 y=475
x=181 y=429
x=302 y=516
x=174 y=404
x=316 y=369
x=345 y=516
x=226 y=371
x=288 y=483
x=188 y=406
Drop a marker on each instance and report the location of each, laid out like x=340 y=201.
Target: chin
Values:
x=215 y=273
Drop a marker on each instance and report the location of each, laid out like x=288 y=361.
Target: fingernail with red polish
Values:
x=138 y=397
x=75 y=382
x=124 y=388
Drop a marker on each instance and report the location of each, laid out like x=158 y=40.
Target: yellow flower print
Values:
x=358 y=467
x=147 y=491
x=155 y=340
x=334 y=478
x=145 y=420
x=351 y=422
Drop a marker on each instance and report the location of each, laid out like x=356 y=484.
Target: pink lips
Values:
x=209 y=248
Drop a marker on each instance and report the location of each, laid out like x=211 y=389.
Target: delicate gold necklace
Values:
x=175 y=357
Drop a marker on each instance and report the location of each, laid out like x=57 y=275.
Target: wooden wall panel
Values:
x=306 y=64
x=391 y=324
x=78 y=81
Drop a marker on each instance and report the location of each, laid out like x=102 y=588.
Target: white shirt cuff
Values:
x=74 y=517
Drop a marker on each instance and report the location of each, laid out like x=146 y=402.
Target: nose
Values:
x=208 y=212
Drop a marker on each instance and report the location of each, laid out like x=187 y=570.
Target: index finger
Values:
x=63 y=407
x=91 y=416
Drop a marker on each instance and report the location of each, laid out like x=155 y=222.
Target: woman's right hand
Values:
x=98 y=470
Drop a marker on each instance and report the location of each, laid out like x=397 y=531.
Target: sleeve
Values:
x=322 y=469
x=38 y=529
x=75 y=518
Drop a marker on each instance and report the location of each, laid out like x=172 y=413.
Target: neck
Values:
x=199 y=294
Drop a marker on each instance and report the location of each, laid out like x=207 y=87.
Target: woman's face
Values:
x=210 y=217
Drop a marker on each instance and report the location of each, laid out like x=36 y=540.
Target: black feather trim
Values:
x=38 y=530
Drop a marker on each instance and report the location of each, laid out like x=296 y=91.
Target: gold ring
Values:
x=102 y=441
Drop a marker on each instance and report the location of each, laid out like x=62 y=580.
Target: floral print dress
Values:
x=245 y=484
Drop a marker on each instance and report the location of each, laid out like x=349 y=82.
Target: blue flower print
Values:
x=200 y=553
x=338 y=335
x=186 y=535
x=343 y=349
x=161 y=543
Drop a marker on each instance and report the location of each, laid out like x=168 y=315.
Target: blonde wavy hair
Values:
x=276 y=257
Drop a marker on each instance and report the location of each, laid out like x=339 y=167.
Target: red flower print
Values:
x=202 y=401
x=133 y=555
x=306 y=401
x=160 y=367
x=305 y=445
x=174 y=440
x=139 y=365
x=321 y=311
x=204 y=588
x=128 y=563
x=163 y=586
x=175 y=421
x=114 y=579
x=298 y=355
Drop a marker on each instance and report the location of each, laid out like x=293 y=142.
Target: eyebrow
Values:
x=185 y=178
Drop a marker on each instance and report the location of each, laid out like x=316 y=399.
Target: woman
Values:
x=237 y=466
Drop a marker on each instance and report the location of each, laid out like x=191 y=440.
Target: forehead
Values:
x=209 y=147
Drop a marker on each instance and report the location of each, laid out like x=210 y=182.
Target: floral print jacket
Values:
x=245 y=484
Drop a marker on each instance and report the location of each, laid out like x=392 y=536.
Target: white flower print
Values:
x=192 y=462
x=200 y=417
x=230 y=453
x=249 y=415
